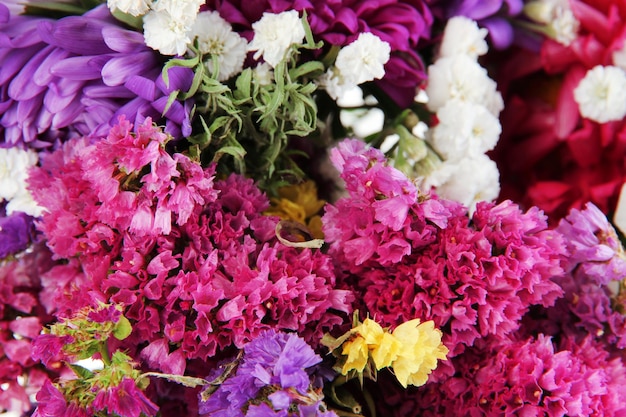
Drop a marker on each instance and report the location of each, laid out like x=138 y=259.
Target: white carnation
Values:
x=464 y=129
x=468 y=181
x=216 y=37
x=600 y=94
x=463 y=36
x=165 y=33
x=181 y=10
x=14 y=166
x=274 y=34
x=363 y=60
x=133 y=7
x=462 y=78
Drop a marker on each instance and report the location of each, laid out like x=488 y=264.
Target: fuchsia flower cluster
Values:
x=222 y=315
x=192 y=258
x=409 y=254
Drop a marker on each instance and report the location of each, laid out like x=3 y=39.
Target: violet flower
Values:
x=16 y=233
x=75 y=76
x=276 y=368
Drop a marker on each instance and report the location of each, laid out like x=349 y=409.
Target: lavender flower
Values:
x=75 y=76
x=16 y=232
x=275 y=375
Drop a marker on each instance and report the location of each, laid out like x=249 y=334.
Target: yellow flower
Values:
x=299 y=203
x=358 y=354
x=420 y=348
x=386 y=352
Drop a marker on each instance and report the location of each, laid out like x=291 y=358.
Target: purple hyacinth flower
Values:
x=75 y=76
x=16 y=232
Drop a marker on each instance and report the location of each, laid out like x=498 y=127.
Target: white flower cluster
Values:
x=467 y=105
x=171 y=26
x=361 y=61
x=14 y=166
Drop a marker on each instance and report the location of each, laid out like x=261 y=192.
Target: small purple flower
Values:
x=276 y=368
x=16 y=233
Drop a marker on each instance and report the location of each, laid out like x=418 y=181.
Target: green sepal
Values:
x=122 y=328
x=81 y=372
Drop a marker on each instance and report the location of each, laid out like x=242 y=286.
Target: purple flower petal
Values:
x=500 y=32
x=141 y=86
x=22 y=87
x=104 y=91
x=179 y=79
x=117 y=70
x=69 y=113
x=80 y=67
x=15 y=61
x=123 y=41
x=75 y=34
x=43 y=75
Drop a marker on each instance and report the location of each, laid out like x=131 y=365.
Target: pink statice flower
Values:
x=426 y=258
x=21 y=321
x=125 y=400
x=593 y=245
x=194 y=261
x=520 y=376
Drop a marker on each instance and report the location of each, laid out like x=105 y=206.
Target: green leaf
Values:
x=122 y=328
x=235 y=151
x=242 y=85
x=81 y=372
x=311 y=68
x=57 y=9
x=135 y=22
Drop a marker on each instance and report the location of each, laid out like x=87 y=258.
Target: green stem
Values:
x=104 y=352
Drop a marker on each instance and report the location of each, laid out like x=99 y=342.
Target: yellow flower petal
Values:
x=420 y=349
x=358 y=354
x=386 y=351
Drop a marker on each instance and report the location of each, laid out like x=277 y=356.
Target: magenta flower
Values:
x=75 y=76
x=425 y=259
x=125 y=400
x=593 y=245
x=52 y=403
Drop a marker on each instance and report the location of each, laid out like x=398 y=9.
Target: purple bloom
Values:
x=75 y=76
x=16 y=233
x=277 y=368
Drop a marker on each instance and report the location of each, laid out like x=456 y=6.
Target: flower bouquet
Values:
x=311 y=208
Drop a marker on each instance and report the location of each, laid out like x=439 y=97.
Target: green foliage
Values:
x=244 y=124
